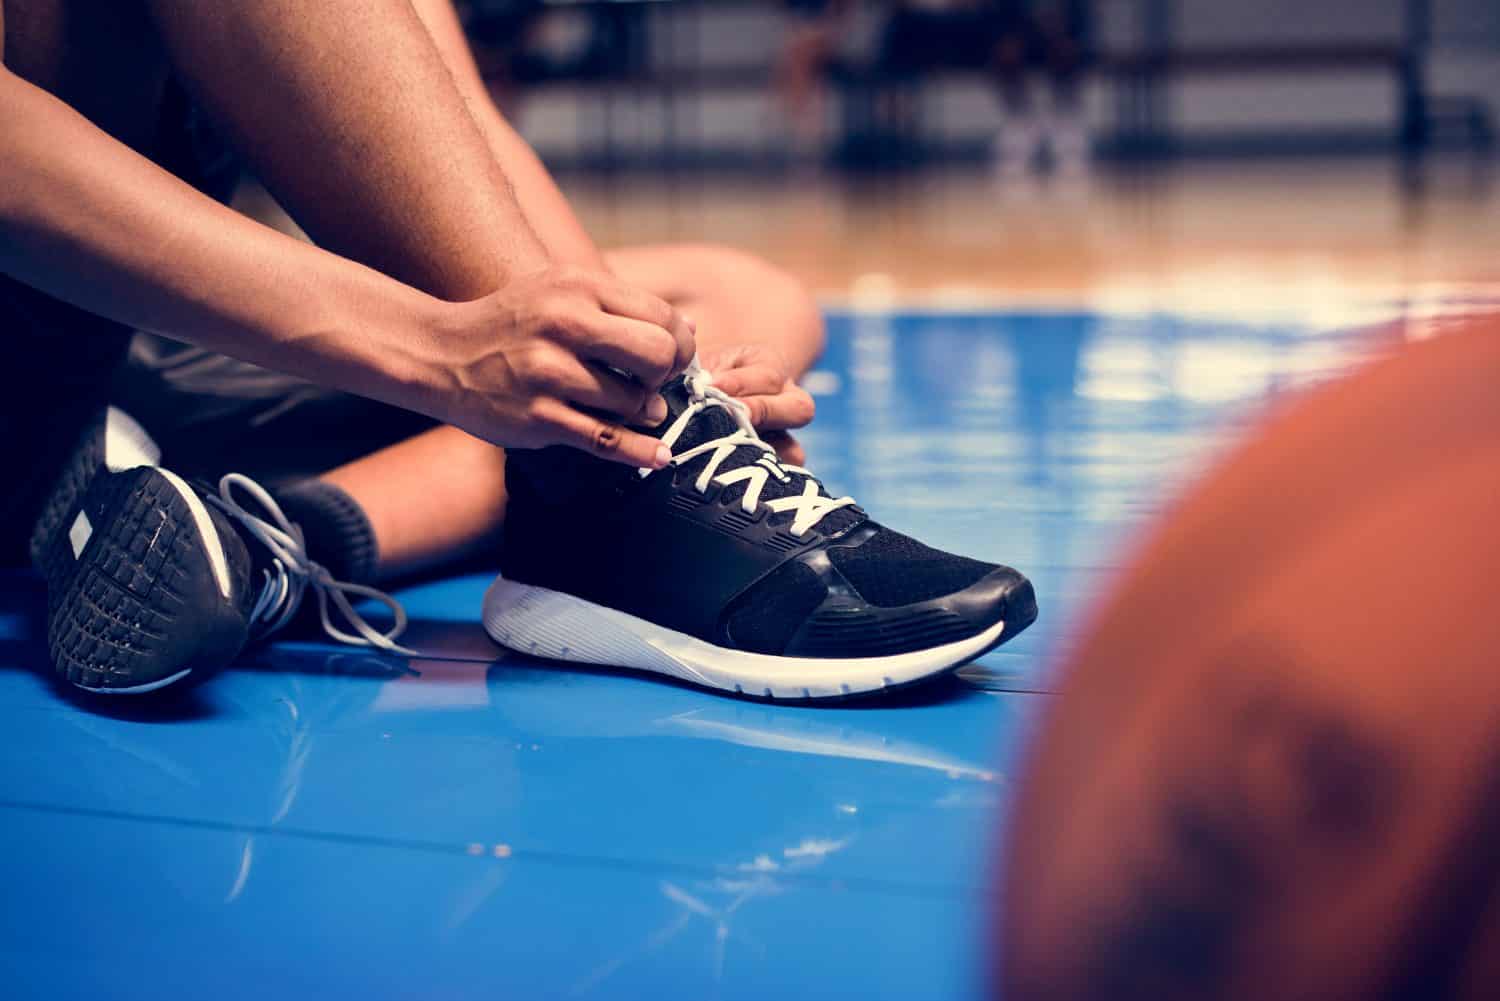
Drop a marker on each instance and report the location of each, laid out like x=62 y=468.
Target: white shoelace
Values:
x=293 y=573
x=810 y=506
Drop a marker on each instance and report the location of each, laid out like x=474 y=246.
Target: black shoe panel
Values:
x=661 y=552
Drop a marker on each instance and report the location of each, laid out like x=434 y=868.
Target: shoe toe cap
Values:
x=839 y=629
x=1002 y=595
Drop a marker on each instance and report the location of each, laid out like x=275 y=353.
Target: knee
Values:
x=773 y=296
x=790 y=303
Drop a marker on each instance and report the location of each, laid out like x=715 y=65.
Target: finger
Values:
x=604 y=391
x=791 y=408
x=685 y=333
x=653 y=413
x=788 y=449
x=567 y=426
x=751 y=380
x=635 y=303
x=644 y=350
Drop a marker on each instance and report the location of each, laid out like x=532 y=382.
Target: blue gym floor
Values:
x=319 y=822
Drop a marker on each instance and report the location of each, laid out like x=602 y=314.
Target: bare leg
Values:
x=799 y=75
x=397 y=487
x=1009 y=69
x=737 y=299
x=349 y=114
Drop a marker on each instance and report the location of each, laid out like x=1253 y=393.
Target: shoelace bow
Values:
x=810 y=505
x=293 y=573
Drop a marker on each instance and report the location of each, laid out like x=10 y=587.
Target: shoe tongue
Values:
x=709 y=423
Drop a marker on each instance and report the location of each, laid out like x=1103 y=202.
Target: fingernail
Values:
x=663 y=457
x=692 y=323
x=656 y=410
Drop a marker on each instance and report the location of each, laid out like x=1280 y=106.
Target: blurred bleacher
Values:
x=689 y=82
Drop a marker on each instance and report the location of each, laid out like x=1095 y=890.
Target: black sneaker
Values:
x=149 y=577
x=733 y=570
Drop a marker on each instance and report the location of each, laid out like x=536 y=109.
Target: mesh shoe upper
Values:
x=892 y=569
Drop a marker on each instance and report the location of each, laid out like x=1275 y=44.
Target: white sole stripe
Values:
x=150 y=686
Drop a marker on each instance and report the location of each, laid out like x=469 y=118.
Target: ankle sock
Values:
x=336 y=528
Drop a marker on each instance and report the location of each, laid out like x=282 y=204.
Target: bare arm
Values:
x=87 y=220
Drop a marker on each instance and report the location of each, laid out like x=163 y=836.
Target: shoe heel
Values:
x=114 y=442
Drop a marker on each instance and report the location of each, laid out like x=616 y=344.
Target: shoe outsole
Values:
x=557 y=626
x=123 y=546
x=111 y=580
x=125 y=579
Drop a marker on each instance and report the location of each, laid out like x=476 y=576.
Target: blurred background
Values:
x=1281 y=155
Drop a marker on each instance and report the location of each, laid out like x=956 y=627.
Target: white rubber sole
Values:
x=126 y=443
x=149 y=686
x=557 y=626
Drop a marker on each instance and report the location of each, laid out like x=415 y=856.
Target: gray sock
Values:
x=336 y=528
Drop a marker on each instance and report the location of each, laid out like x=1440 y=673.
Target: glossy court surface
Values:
x=319 y=822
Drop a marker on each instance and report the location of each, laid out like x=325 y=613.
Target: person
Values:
x=1009 y=40
x=639 y=516
x=808 y=48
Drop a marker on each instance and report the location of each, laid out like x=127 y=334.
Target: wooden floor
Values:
x=1235 y=239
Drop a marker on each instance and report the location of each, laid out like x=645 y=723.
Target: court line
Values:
x=647 y=867
x=1321 y=305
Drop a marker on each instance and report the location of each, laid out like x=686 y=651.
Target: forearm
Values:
x=546 y=209
x=90 y=222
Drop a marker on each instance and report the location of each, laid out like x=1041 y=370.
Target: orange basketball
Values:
x=1273 y=768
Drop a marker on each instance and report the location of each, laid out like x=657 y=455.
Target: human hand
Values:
x=759 y=377
x=564 y=356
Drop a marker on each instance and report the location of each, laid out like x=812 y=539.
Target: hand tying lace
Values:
x=292 y=573
x=810 y=506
